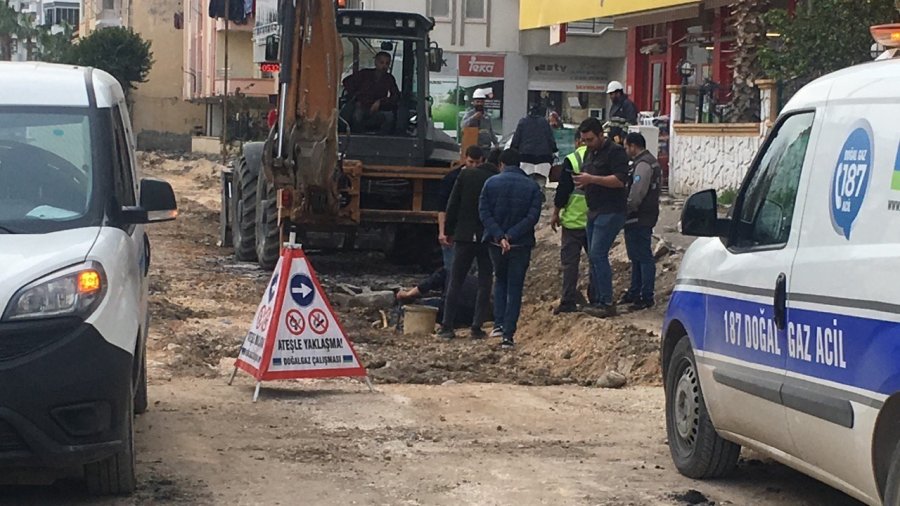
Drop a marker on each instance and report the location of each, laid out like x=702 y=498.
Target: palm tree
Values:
x=750 y=37
x=28 y=33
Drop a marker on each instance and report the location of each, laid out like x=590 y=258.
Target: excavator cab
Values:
x=371 y=39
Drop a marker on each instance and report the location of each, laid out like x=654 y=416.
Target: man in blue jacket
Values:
x=509 y=207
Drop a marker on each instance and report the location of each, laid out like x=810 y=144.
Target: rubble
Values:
x=612 y=379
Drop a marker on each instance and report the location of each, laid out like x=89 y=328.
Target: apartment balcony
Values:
x=234 y=27
x=249 y=86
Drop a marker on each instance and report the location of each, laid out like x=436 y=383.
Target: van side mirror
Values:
x=700 y=216
x=157 y=203
x=272 y=47
x=435 y=58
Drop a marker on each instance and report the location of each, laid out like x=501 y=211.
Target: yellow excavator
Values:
x=338 y=181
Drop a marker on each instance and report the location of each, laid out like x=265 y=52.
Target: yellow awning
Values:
x=540 y=13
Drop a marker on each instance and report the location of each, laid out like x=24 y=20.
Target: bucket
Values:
x=419 y=319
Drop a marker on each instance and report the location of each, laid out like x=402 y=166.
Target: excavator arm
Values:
x=301 y=152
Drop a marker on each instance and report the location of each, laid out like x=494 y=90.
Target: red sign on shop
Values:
x=481 y=65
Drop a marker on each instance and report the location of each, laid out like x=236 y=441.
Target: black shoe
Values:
x=565 y=308
x=641 y=304
x=507 y=343
x=446 y=333
x=628 y=298
x=497 y=332
x=601 y=310
x=477 y=334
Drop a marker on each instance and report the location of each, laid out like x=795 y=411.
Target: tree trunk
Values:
x=750 y=36
x=5 y=47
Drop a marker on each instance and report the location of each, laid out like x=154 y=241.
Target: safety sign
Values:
x=295 y=332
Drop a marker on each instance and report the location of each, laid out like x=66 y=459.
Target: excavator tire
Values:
x=267 y=233
x=243 y=221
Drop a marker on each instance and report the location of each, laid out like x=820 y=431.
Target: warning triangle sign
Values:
x=295 y=332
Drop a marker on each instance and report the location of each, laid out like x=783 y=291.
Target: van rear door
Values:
x=844 y=299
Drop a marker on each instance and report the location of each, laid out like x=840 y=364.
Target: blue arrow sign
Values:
x=303 y=291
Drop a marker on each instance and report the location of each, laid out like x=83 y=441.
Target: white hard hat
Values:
x=614 y=86
x=480 y=93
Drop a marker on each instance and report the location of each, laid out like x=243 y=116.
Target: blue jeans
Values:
x=602 y=231
x=509 y=282
x=447 y=253
x=643 y=265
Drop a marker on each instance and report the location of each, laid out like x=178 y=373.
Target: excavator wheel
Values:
x=267 y=236
x=243 y=203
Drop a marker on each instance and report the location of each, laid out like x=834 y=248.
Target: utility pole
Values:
x=224 y=140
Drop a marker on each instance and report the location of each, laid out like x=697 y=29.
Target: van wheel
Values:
x=267 y=233
x=140 y=393
x=115 y=475
x=892 y=486
x=243 y=214
x=697 y=449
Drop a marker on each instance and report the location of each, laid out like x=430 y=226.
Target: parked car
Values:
x=74 y=260
x=783 y=332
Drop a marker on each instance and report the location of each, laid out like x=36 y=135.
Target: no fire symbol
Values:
x=295 y=322
x=318 y=321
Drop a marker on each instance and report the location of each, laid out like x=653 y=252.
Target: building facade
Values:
x=483 y=49
x=162 y=118
x=205 y=80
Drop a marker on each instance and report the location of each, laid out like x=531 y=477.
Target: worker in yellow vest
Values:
x=570 y=212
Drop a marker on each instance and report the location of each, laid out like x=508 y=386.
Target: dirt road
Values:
x=450 y=423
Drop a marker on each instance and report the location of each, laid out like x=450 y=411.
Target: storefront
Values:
x=453 y=87
x=569 y=90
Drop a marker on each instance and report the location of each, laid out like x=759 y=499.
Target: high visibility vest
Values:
x=574 y=215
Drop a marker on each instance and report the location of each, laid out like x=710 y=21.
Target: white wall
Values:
x=701 y=162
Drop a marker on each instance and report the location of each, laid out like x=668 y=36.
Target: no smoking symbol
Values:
x=295 y=322
x=318 y=321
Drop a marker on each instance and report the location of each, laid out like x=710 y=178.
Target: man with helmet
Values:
x=478 y=117
x=622 y=106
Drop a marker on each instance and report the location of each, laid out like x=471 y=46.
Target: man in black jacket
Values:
x=535 y=143
x=464 y=225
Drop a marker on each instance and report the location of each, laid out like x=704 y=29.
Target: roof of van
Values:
x=877 y=80
x=40 y=84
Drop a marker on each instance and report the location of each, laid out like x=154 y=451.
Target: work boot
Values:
x=446 y=333
x=628 y=298
x=601 y=310
x=565 y=308
x=477 y=334
x=641 y=304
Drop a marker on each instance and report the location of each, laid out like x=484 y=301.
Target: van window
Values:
x=767 y=205
x=123 y=178
x=46 y=167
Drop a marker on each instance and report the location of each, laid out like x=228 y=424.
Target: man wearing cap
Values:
x=622 y=106
x=570 y=212
x=643 y=213
x=477 y=117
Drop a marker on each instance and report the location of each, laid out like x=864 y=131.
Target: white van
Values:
x=783 y=333
x=74 y=259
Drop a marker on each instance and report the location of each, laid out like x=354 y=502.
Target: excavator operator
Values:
x=373 y=96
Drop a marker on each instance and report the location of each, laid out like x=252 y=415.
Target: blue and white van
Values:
x=783 y=333
x=74 y=259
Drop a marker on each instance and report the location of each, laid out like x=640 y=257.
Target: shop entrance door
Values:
x=656 y=69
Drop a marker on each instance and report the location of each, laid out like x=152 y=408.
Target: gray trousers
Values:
x=573 y=241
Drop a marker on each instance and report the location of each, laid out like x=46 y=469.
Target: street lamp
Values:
x=685 y=70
